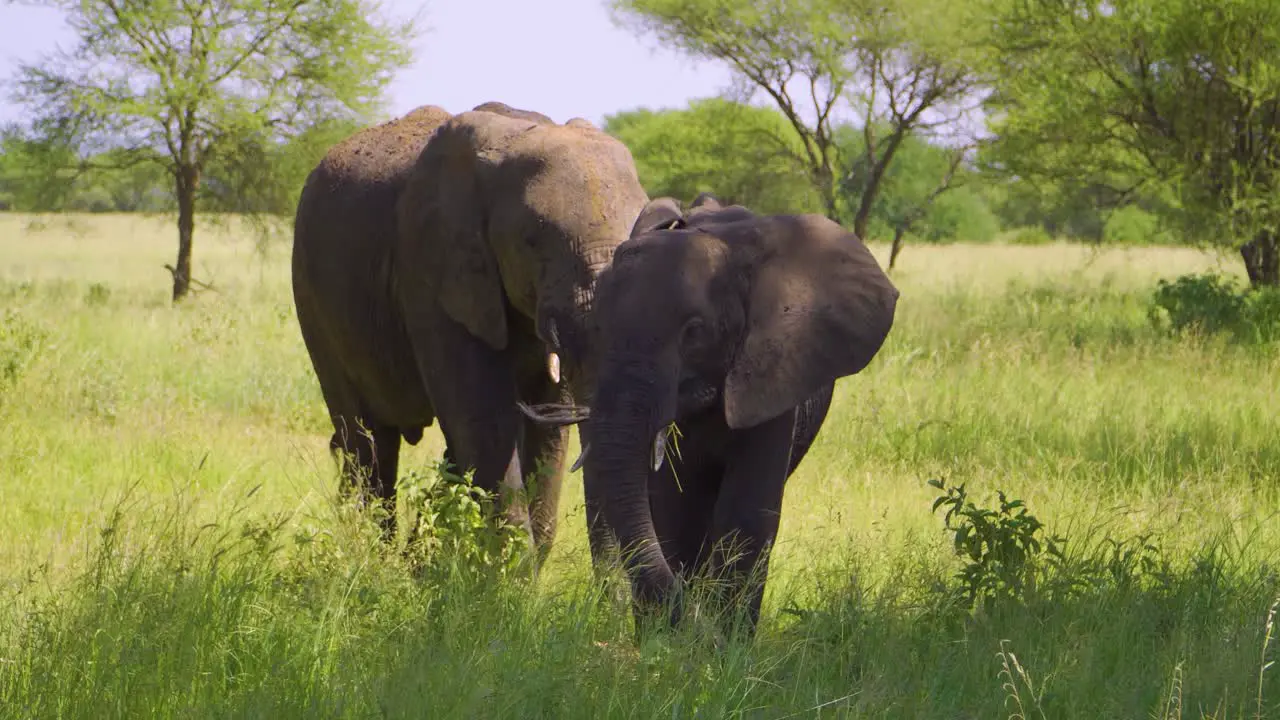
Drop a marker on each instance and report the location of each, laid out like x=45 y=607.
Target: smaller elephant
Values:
x=734 y=328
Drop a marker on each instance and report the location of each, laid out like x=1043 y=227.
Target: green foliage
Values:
x=741 y=153
x=458 y=532
x=258 y=178
x=36 y=175
x=746 y=154
x=1131 y=225
x=894 y=62
x=1176 y=98
x=1215 y=303
x=919 y=189
x=205 y=86
x=963 y=215
x=264 y=176
x=1034 y=235
x=1001 y=548
x=21 y=341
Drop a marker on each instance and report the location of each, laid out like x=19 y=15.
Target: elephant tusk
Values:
x=577 y=464
x=554 y=414
x=553 y=367
x=659 y=449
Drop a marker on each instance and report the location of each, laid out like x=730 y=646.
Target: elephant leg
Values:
x=749 y=508
x=682 y=498
x=473 y=390
x=542 y=459
x=370 y=461
x=448 y=457
x=354 y=451
x=386 y=448
x=600 y=537
x=682 y=501
x=544 y=450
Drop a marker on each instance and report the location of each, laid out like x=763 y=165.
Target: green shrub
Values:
x=1034 y=235
x=961 y=215
x=1002 y=550
x=458 y=529
x=1211 y=303
x=1134 y=226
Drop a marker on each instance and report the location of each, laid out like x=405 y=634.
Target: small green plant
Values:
x=97 y=295
x=20 y=342
x=1001 y=548
x=458 y=529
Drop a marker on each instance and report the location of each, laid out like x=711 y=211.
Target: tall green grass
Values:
x=170 y=546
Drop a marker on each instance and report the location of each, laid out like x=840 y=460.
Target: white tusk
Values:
x=553 y=367
x=659 y=449
x=577 y=464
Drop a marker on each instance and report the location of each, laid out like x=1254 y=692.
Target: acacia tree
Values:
x=908 y=66
x=1172 y=98
x=195 y=83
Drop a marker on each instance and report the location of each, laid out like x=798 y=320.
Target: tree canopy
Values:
x=745 y=154
x=1175 y=99
x=909 y=66
x=194 y=86
x=742 y=153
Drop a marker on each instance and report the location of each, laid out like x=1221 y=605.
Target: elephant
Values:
x=444 y=267
x=344 y=233
x=734 y=327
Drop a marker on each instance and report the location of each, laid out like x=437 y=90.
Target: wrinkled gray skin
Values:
x=437 y=263
x=734 y=326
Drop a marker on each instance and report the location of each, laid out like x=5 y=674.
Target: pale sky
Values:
x=564 y=58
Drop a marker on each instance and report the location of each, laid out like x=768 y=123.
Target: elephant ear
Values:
x=705 y=202
x=820 y=308
x=707 y=209
x=659 y=214
x=451 y=230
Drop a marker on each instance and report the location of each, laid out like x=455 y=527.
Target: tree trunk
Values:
x=898 y=234
x=1262 y=259
x=187 y=181
x=827 y=189
x=872 y=189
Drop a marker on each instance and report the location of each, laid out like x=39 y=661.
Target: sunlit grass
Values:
x=1029 y=369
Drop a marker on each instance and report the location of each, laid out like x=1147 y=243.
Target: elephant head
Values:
x=507 y=208
x=724 y=311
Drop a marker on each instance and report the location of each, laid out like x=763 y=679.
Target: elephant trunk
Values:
x=596 y=257
x=635 y=400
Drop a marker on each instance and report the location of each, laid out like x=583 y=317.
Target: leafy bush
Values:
x=458 y=530
x=1002 y=549
x=1034 y=235
x=1212 y=303
x=1006 y=556
x=1132 y=225
x=961 y=215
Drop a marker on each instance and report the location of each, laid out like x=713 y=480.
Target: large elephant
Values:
x=449 y=273
x=734 y=327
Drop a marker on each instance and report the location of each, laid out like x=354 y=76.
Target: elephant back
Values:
x=344 y=235
x=383 y=153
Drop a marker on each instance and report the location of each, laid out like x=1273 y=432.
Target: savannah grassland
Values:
x=170 y=544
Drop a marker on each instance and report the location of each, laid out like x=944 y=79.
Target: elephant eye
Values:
x=695 y=332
